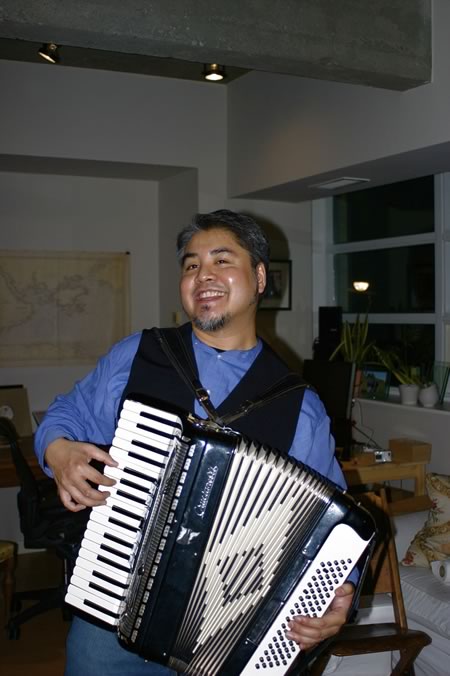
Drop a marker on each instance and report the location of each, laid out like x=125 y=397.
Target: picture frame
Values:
x=278 y=295
x=375 y=382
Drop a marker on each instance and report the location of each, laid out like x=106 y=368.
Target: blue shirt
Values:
x=89 y=411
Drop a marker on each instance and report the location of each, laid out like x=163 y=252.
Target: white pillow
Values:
x=405 y=528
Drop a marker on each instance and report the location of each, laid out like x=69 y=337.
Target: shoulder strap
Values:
x=175 y=350
x=289 y=382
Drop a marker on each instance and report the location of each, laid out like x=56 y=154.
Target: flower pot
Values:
x=409 y=394
x=429 y=395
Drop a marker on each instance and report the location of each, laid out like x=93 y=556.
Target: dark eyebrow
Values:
x=222 y=249
x=213 y=252
x=187 y=255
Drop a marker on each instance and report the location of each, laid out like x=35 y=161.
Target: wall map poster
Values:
x=60 y=307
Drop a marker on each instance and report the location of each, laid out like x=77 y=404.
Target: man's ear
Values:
x=261 y=277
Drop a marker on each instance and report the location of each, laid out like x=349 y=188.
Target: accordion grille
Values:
x=268 y=504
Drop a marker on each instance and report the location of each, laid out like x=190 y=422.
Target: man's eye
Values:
x=221 y=261
x=189 y=267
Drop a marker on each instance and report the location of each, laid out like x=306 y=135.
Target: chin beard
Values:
x=211 y=324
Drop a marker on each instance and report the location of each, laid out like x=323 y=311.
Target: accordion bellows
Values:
x=210 y=543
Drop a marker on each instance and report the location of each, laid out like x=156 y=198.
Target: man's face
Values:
x=219 y=286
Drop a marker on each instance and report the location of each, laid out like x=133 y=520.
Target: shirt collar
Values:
x=233 y=355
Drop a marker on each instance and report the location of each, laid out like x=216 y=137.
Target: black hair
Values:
x=248 y=233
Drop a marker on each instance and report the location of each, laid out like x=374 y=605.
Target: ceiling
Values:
x=380 y=43
x=100 y=59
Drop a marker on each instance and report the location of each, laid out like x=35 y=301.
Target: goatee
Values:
x=211 y=324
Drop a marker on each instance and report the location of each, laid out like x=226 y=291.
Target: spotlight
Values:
x=49 y=52
x=361 y=286
x=213 y=72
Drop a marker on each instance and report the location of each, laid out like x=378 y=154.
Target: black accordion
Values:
x=209 y=543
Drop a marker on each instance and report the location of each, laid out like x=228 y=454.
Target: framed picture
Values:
x=279 y=286
x=375 y=381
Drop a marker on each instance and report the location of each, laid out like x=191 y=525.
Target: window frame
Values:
x=323 y=251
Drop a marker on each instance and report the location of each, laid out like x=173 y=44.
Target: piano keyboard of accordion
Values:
x=210 y=543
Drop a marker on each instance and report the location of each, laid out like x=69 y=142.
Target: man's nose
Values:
x=205 y=271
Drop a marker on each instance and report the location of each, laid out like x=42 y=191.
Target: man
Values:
x=224 y=259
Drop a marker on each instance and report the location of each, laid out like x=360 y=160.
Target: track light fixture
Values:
x=49 y=52
x=213 y=72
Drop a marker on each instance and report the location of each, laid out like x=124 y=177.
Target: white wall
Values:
x=118 y=117
x=292 y=128
x=45 y=212
x=386 y=421
x=178 y=201
x=288 y=227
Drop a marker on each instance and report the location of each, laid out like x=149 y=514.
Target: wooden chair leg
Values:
x=8 y=584
x=405 y=665
x=319 y=665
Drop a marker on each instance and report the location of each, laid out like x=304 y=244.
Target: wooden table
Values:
x=8 y=476
x=406 y=501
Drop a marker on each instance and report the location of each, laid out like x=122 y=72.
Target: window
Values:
x=396 y=238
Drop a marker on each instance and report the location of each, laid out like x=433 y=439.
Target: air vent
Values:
x=339 y=182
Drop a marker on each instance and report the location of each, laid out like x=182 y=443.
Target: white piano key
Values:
x=171 y=418
x=99 y=549
x=123 y=474
x=79 y=602
x=125 y=499
x=94 y=533
x=126 y=519
x=103 y=531
x=122 y=502
x=124 y=459
x=95 y=589
x=115 y=528
x=160 y=446
x=96 y=577
x=106 y=602
x=90 y=565
x=148 y=429
x=107 y=563
x=122 y=449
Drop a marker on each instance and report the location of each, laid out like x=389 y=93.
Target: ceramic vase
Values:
x=409 y=394
x=429 y=395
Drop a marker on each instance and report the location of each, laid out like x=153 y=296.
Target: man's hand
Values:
x=308 y=631
x=69 y=462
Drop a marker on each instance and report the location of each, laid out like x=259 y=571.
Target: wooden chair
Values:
x=7 y=563
x=383 y=577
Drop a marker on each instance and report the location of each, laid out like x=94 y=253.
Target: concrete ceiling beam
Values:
x=382 y=43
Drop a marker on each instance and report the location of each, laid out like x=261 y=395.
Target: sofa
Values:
x=427 y=604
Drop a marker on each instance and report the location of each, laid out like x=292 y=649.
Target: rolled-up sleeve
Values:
x=313 y=443
x=89 y=411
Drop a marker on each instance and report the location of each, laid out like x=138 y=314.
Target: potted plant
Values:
x=408 y=376
x=354 y=346
x=428 y=392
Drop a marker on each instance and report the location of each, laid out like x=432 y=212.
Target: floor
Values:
x=33 y=653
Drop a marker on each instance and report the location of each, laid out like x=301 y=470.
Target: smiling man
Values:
x=220 y=288
x=224 y=258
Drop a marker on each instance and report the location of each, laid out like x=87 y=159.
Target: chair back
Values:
x=383 y=576
x=44 y=521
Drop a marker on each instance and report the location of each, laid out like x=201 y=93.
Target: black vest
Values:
x=274 y=423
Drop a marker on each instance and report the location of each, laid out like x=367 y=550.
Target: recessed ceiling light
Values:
x=213 y=72
x=49 y=52
x=339 y=182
